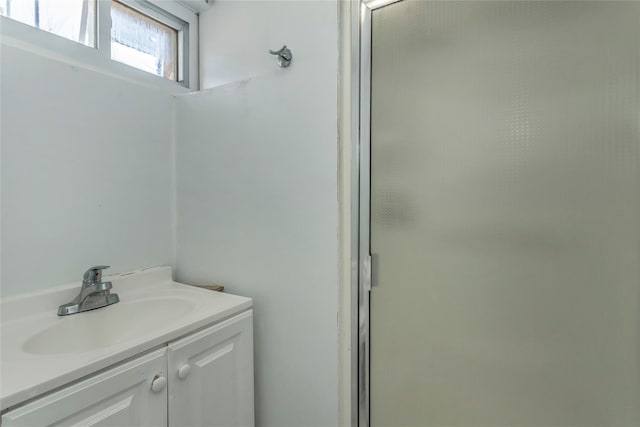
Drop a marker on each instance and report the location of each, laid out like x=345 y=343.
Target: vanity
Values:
x=167 y=354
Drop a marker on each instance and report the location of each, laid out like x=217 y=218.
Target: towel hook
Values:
x=284 y=56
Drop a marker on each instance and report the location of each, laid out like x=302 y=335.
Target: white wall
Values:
x=257 y=204
x=235 y=37
x=86 y=176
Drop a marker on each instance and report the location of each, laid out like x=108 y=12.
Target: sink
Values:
x=107 y=326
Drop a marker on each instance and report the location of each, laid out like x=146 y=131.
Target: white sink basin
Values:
x=106 y=326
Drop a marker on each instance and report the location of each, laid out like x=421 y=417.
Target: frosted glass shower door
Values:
x=505 y=220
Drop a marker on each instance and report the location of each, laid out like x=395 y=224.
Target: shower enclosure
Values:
x=499 y=216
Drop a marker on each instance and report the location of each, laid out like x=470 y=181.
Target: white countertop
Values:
x=41 y=351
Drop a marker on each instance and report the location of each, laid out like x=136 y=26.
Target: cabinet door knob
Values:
x=184 y=371
x=158 y=384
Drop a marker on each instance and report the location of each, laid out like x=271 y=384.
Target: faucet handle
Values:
x=94 y=274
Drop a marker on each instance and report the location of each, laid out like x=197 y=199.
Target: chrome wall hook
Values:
x=284 y=56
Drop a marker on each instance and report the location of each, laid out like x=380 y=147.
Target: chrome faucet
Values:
x=94 y=293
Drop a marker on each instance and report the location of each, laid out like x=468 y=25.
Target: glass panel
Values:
x=71 y=19
x=143 y=42
x=505 y=214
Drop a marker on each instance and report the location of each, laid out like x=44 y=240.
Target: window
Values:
x=158 y=37
x=144 y=42
x=71 y=19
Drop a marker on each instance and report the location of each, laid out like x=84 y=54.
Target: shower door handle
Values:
x=370 y=270
x=366 y=272
x=374 y=264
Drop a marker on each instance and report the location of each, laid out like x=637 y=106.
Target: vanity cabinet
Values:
x=203 y=379
x=121 y=396
x=211 y=376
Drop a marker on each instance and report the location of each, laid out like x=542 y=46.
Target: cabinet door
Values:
x=121 y=396
x=211 y=376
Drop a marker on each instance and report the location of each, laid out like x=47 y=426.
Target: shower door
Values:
x=504 y=212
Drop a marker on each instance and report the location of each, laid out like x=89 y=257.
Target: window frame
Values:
x=98 y=58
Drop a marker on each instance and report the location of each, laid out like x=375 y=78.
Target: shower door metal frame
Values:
x=361 y=199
